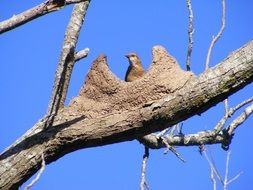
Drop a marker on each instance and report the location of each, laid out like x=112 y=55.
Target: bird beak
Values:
x=127 y=56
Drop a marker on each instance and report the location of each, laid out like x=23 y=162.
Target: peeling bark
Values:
x=109 y=110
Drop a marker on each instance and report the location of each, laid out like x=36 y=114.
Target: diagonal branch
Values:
x=66 y=61
x=215 y=38
x=240 y=119
x=229 y=113
x=33 y=13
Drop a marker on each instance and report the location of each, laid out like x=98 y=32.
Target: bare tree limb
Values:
x=144 y=184
x=203 y=137
x=33 y=13
x=66 y=61
x=190 y=36
x=214 y=170
x=229 y=113
x=237 y=107
x=215 y=38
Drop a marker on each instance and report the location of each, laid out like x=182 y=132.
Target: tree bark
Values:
x=76 y=128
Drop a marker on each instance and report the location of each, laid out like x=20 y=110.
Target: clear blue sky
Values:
x=29 y=56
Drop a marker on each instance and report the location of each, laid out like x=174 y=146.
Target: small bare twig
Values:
x=215 y=38
x=226 y=171
x=226 y=107
x=163 y=132
x=81 y=54
x=212 y=166
x=215 y=173
x=190 y=36
x=43 y=165
x=172 y=149
x=144 y=183
x=226 y=181
x=212 y=176
x=234 y=178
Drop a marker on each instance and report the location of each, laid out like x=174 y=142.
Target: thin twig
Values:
x=217 y=173
x=214 y=171
x=226 y=171
x=190 y=35
x=215 y=38
x=144 y=183
x=226 y=181
x=171 y=129
x=212 y=166
x=226 y=107
x=43 y=165
x=212 y=176
x=173 y=150
x=234 y=178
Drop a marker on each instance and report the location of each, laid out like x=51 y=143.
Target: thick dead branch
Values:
x=33 y=13
x=109 y=110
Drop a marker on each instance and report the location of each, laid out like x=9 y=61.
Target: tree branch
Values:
x=215 y=38
x=125 y=117
x=33 y=13
x=66 y=61
x=240 y=119
x=144 y=183
x=190 y=35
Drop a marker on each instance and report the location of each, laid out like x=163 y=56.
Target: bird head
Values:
x=133 y=59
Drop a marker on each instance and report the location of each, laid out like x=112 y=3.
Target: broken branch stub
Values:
x=103 y=93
